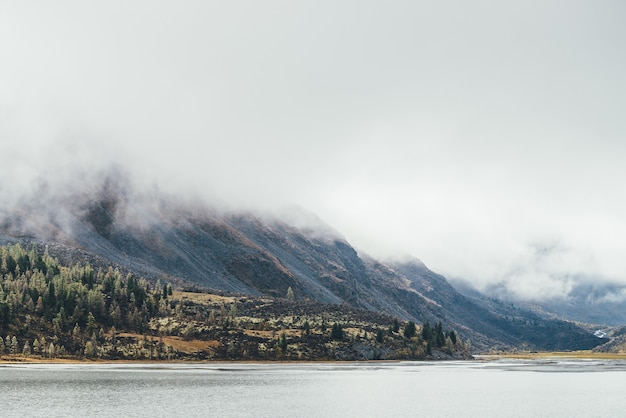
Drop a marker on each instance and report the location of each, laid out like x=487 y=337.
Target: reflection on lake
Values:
x=481 y=389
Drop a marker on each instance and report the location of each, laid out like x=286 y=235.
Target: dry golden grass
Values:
x=352 y=332
x=270 y=334
x=177 y=343
x=202 y=297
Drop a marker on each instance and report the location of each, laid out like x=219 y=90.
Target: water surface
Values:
x=477 y=389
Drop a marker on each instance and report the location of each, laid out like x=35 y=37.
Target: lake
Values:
x=505 y=388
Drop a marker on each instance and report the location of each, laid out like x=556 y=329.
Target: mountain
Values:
x=590 y=300
x=193 y=245
x=592 y=303
x=616 y=340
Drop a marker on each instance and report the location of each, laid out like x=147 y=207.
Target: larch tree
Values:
x=92 y=325
x=26 y=350
x=14 y=345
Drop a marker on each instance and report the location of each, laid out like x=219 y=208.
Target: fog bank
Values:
x=485 y=139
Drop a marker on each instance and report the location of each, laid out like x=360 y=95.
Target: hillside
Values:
x=191 y=244
x=50 y=310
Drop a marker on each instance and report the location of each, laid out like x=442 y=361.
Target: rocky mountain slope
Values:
x=50 y=310
x=616 y=340
x=189 y=243
x=592 y=300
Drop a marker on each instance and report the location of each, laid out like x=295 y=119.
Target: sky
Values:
x=486 y=138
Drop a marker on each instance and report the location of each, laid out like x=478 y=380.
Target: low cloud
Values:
x=468 y=137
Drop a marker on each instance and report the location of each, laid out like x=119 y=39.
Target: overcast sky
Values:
x=487 y=138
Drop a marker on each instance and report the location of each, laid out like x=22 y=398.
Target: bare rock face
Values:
x=616 y=340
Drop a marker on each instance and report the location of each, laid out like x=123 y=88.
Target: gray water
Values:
x=470 y=389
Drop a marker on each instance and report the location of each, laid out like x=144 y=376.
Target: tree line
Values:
x=49 y=309
x=71 y=305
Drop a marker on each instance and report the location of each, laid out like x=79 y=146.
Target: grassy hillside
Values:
x=50 y=310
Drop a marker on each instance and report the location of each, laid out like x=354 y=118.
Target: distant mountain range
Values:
x=194 y=245
x=590 y=301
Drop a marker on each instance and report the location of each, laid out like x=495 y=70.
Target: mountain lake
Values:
x=501 y=388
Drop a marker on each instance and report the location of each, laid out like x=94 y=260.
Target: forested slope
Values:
x=190 y=244
x=48 y=310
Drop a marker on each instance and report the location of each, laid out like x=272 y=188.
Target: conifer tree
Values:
x=92 y=325
x=409 y=330
x=440 y=339
x=26 y=349
x=76 y=332
x=89 y=349
x=427 y=332
x=336 y=332
x=42 y=344
x=14 y=345
x=51 y=350
x=396 y=325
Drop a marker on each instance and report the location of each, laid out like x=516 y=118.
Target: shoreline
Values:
x=31 y=360
x=547 y=355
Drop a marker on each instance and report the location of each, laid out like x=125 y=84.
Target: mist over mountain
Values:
x=590 y=300
x=191 y=243
x=448 y=130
